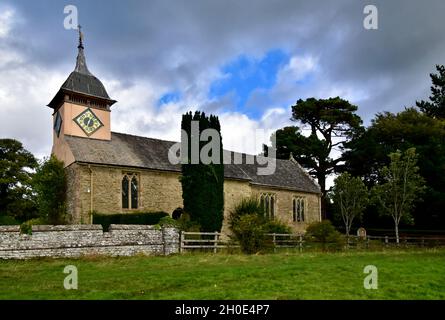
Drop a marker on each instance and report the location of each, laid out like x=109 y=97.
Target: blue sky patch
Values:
x=245 y=74
x=173 y=96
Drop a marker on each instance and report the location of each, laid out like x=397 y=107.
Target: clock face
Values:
x=88 y=121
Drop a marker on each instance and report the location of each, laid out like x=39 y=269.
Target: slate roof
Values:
x=141 y=152
x=85 y=84
x=81 y=81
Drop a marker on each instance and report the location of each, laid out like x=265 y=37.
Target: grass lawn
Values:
x=418 y=274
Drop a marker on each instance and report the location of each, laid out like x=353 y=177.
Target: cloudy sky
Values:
x=246 y=61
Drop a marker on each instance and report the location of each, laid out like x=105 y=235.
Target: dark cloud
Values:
x=180 y=45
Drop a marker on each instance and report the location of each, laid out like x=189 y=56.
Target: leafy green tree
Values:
x=350 y=197
x=203 y=183
x=16 y=167
x=389 y=132
x=50 y=185
x=331 y=122
x=401 y=187
x=436 y=106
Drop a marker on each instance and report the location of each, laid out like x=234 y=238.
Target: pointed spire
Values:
x=79 y=27
x=81 y=64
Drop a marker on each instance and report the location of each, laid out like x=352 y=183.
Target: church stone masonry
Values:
x=110 y=172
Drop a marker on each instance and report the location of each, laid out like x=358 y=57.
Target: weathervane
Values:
x=79 y=27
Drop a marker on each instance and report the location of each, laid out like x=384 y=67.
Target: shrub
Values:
x=26 y=227
x=168 y=222
x=274 y=226
x=8 y=221
x=150 y=218
x=324 y=232
x=249 y=230
x=249 y=226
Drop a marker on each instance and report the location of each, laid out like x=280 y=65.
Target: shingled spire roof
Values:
x=81 y=64
x=82 y=81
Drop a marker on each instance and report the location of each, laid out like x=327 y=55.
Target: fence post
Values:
x=367 y=242
x=300 y=242
x=215 y=245
x=274 y=242
x=181 y=241
x=386 y=241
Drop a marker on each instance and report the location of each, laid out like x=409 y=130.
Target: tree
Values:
x=331 y=122
x=401 y=187
x=50 y=185
x=389 y=132
x=436 y=106
x=16 y=167
x=203 y=183
x=350 y=197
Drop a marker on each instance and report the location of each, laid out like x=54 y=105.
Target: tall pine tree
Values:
x=436 y=106
x=202 y=183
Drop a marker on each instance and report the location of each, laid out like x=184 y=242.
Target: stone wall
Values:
x=79 y=240
x=234 y=192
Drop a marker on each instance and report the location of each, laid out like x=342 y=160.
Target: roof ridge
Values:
x=144 y=137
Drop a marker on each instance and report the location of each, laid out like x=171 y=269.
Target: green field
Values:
x=418 y=274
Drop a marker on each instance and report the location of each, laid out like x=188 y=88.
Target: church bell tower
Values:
x=81 y=107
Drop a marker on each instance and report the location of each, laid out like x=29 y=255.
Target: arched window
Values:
x=134 y=193
x=272 y=207
x=268 y=202
x=130 y=191
x=125 y=192
x=298 y=209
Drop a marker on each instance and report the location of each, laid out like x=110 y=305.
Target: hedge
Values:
x=150 y=218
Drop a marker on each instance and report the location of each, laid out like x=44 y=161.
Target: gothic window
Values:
x=268 y=202
x=130 y=191
x=134 y=193
x=125 y=192
x=298 y=209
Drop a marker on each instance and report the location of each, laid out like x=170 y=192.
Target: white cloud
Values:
x=6 y=21
x=297 y=69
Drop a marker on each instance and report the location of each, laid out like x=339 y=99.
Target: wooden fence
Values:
x=214 y=241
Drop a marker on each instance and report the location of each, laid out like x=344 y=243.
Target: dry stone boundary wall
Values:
x=71 y=241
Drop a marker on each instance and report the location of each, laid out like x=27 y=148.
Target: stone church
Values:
x=110 y=172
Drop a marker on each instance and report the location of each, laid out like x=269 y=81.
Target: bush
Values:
x=168 y=222
x=8 y=221
x=274 y=226
x=249 y=226
x=324 y=232
x=26 y=227
x=249 y=230
x=150 y=218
